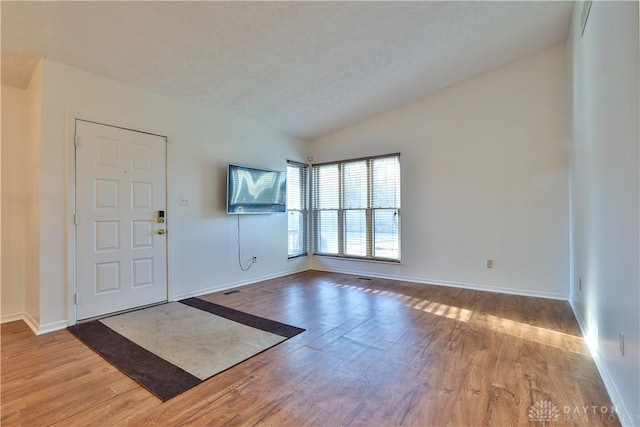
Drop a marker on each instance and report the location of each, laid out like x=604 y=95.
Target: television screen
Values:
x=252 y=191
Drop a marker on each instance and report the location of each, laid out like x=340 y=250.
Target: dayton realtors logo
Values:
x=544 y=411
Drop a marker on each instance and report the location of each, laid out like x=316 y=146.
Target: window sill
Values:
x=353 y=258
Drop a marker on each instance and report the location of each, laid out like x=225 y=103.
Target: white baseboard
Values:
x=35 y=326
x=53 y=326
x=616 y=399
x=6 y=318
x=231 y=285
x=488 y=288
x=31 y=322
x=25 y=317
x=472 y=286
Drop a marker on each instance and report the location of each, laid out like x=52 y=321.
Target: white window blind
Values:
x=297 y=208
x=356 y=208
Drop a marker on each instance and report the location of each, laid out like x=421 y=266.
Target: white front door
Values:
x=121 y=250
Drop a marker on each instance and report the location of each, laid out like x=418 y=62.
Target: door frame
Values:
x=71 y=249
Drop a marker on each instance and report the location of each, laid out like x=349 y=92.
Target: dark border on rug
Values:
x=162 y=378
x=256 y=322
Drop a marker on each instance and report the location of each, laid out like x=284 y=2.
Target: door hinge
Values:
x=76 y=219
x=75 y=139
x=75 y=299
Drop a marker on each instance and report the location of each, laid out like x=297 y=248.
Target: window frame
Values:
x=304 y=195
x=370 y=229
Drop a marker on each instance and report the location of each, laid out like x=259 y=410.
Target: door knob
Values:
x=162 y=231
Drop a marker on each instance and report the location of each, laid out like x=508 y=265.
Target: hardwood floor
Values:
x=375 y=353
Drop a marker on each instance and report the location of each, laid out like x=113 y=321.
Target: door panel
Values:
x=120 y=187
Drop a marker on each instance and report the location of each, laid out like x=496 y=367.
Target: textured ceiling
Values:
x=304 y=68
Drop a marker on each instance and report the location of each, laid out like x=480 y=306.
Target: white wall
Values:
x=203 y=238
x=32 y=188
x=14 y=202
x=604 y=176
x=484 y=175
x=21 y=119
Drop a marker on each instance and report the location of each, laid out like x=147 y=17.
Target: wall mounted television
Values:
x=255 y=191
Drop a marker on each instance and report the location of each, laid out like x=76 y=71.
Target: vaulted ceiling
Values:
x=304 y=68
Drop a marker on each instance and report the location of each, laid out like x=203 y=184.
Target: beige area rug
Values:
x=183 y=335
x=171 y=347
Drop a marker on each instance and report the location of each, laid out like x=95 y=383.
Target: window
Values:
x=356 y=208
x=297 y=210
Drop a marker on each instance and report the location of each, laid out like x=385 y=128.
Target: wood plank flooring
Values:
x=375 y=353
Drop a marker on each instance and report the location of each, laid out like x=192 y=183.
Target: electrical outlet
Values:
x=254 y=259
x=184 y=201
x=489 y=263
x=621 y=337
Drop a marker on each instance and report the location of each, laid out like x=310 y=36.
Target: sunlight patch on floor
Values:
x=439 y=309
x=535 y=333
x=499 y=324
